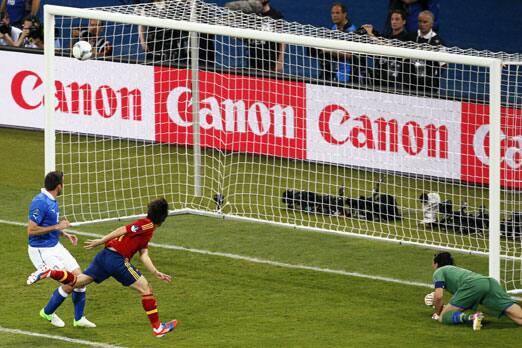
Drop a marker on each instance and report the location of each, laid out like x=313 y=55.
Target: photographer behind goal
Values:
x=8 y=34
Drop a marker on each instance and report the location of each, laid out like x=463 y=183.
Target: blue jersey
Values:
x=16 y=11
x=344 y=70
x=44 y=211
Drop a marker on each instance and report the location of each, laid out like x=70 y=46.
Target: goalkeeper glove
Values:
x=429 y=299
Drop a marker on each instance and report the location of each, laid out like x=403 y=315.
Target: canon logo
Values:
x=512 y=147
x=337 y=127
x=232 y=115
x=80 y=99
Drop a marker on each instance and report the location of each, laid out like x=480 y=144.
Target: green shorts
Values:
x=485 y=291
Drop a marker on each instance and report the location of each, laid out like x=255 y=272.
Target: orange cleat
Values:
x=165 y=328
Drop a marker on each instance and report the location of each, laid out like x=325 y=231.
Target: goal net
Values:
x=226 y=112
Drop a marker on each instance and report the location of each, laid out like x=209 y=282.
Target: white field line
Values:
x=58 y=338
x=256 y=260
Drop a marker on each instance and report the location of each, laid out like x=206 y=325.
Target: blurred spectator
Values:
x=335 y=66
x=8 y=34
x=245 y=6
x=397 y=25
x=267 y=55
x=340 y=20
x=389 y=71
x=425 y=32
x=342 y=23
x=19 y=9
x=30 y=23
x=101 y=47
x=36 y=37
x=425 y=75
x=170 y=45
x=162 y=44
x=413 y=8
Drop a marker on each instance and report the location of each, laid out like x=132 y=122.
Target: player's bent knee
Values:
x=82 y=280
x=147 y=289
x=67 y=288
x=142 y=286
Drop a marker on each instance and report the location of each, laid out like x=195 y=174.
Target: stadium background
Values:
x=213 y=296
x=480 y=24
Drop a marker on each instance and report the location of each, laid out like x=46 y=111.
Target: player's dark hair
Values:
x=157 y=211
x=341 y=5
x=399 y=12
x=443 y=259
x=52 y=180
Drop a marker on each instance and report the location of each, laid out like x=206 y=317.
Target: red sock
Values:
x=63 y=277
x=149 y=305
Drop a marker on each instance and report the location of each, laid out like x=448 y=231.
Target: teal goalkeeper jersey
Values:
x=451 y=278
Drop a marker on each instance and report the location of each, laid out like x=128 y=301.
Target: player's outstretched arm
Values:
x=92 y=243
x=145 y=258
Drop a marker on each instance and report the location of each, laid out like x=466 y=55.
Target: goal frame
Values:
x=494 y=65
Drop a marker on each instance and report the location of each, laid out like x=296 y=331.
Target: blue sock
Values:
x=456 y=317
x=55 y=301
x=78 y=298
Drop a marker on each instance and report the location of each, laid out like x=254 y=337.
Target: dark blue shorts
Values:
x=108 y=263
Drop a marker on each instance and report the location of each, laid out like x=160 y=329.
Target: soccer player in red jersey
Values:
x=114 y=261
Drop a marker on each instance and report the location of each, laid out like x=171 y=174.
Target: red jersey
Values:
x=137 y=237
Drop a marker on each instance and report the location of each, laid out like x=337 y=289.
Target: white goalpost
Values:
x=186 y=105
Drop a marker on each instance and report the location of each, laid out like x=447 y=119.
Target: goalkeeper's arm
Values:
x=438 y=302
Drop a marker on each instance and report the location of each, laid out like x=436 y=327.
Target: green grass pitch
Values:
x=224 y=302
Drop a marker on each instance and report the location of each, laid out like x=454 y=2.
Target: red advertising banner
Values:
x=475 y=145
x=237 y=113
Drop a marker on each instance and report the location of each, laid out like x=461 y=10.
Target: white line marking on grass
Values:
x=257 y=260
x=288 y=265
x=58 y=338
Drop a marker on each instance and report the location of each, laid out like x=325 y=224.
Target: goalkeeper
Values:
x=469 y=289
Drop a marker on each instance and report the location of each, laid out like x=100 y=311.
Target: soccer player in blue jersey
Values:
x=44 y=231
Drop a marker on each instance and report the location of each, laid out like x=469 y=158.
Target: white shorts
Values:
x=56 y=257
